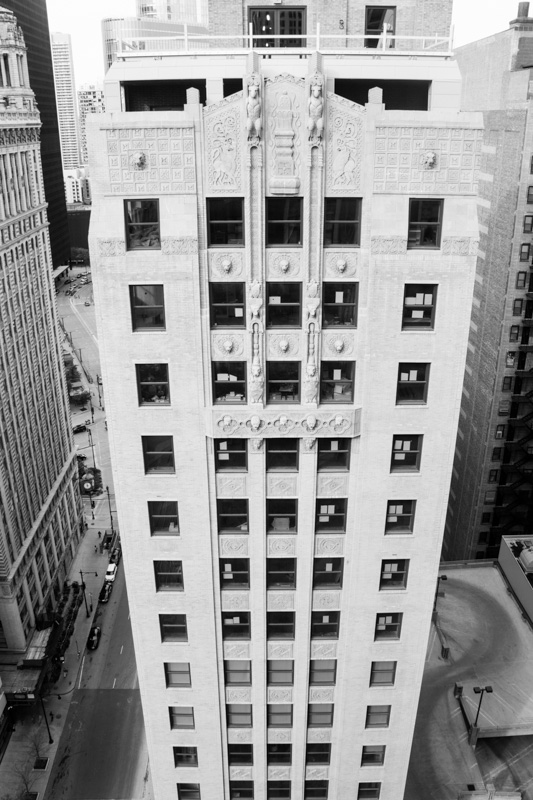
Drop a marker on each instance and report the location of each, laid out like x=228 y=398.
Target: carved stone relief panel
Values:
x=319 y=735
x=223 y=125
x=243 y=694
x=283 y=265
x=281 y=545
x=179 y=246
x=233 y=545
x=282 y=345
x=323 y=649
x=282 y=485
x=231 y=485
x=241 y=773
x=344 y=134
x=279 y=650
x=323 y=601
x=278 y=773
x=338 y=345
x=236 y=650
x=316 y=773
x=268 y=422
x=280 y=600
x=227 y=346
x=388 y=245
x=328 y=485
x=459 y=246
x=285 y=102
x=278 y=735
x=235 y=601
x=151 y=160
x=341 y=264
x=108 y=248
x=329 y=545
x=238 y=735
x=225 y=265
x=427 y=161
x=321 y=694
x=279 y=695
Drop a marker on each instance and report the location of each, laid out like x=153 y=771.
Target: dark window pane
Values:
x=158 y=453
x=339 y=306
x=283 y=305
x=163 y=515
x=152 y=384
x=336 y=381
x=147 y=307
x=425 y=221
x=342 y=221
x=142 y=224
x=334 y=454
x=225 y=224
x=230 y=454
x=281 y=454
x=229 y=381
x=227 y=305
x=168 y=576
x=325 y=624
x=283 y=381
x=283 y=221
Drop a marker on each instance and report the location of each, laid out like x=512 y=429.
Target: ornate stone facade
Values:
x=344 y=149
x=223 y=125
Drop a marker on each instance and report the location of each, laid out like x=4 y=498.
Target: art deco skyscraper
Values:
x=90 y=101
x=67 y=111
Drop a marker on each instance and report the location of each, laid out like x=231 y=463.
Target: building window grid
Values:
x=279 y=715
x=521 y=280
x=369 y=790
x=181 y=717
x=330 y=515
x=280 y=672
x=177 y=674
x=234 y=573
x=185 y=756
x=383 y=673
x=147 y=303
x=239 y=715
x=188 y=791
x=153 y=384
x=236 y=625
x=388 y=626
x=158 y=454
x=284 y=305
x=337 y=381
x=168 y=576
x=413 y=382
x=279 y=754
x=232 y=515
x=225 y=222
x=327 y=573
x=240 y=755
x=283 y=381
x=231 y=455
x=241 y=790
x=281 y=573
x=238 y=673
x=227 y=305
x=419 y=305
x=142 y=224
x=280 y=624
x=323 y=672
x=373 y=755
x=528 y=223
x=406 y=452
x=377 y=716
x=400 y=516
x=525 y=252
x=425 y=223
x=229 y=382
x=333 y=455
x=282 y=455
x=339 y=305
x=173 y=627
x=282 y=515
x=163 y=517
x=283 y=221
x=394 y=574
x=342 y=221
x=325 y=625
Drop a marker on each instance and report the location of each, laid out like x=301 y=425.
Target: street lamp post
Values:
x=90 y=436
x=481 y=691
x=83 y=589
x=439 y=579
x=50 y=740
x=110 y=512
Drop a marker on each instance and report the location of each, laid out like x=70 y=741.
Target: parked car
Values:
x=115 y=556
x=86 y=303
x=79 y=428
x=111 y=573
x=68 y=280
x=94 y=637
x=105 y=593
x=99 y=379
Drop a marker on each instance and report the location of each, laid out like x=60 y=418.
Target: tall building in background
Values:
x=39 y=497
x=32 y=18
x=190 y=11
x=67 y=111
x=492 y=485
x=90 y=101
x=283 y=249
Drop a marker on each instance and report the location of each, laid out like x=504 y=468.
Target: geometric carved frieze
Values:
x=179 y=246
x=329 y=545
x=282 y=485
x=319 y=735
x=278 y=735
x=280 y=600
x=231 y=486
x=223 y=125
x=111 y=247
x=144 y=161
x=279 y=773
x=427 y=160
x=234 y=601
x=388 y=245
x=459 y=246
x=227 y=346
x=322 y=601
x=279 y=650
x=323 y=649
x=241 y=773
x=236 y=650
x=321 y=695
x=341 y=264
x=284 y=112
x=225 y=265
x=271 y=423
x=233 y=545
x=281 y=545
x=328 y=485
x=316 y=773
x=239 y=735
x=280 y=695
x=337 y=345
x=282 y=345
x=344 y=159
x=242 y=695
x=283 y=265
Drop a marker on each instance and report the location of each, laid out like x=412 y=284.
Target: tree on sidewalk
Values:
x=21 y=771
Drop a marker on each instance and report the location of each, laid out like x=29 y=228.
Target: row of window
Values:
x=281 y=790
x=242 y=755
x=283 y=305
x=282 y=455
x=283 y=222
x=158 y=453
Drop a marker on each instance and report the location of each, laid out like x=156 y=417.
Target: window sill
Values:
x=423 y=247
x=224 y=246
x=338 y=246
x=320 y=532
x=284 y=246
x=149 y=330
x=154 y=405
x=399 y=533
x=231 y=469
x=158 y=473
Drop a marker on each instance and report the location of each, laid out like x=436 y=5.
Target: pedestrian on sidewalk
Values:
x=95 y=549
x=99 y=534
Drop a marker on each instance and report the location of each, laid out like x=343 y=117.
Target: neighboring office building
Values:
x=32 y=18
x=77 y=186
x=190 y=11
x=283 y=288
x=39 y=499
x=67 y=111
x=492 y=485
x=90 y=101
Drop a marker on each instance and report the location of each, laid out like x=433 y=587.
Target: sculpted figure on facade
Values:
x=315 y=109
x=311 y=376
x=254 y=119
x=258 y=379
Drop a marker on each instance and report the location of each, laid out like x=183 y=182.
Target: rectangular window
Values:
x=282 y=515
x=238 y=673
x=333 y=455
x=279 y=754
x=425 y=223
x=373 y=755
x=379 y=21
x=316 y=790
x=185 y=756
x=518 y=307
x=282 y=455
x=168 y=576
x=336 y=381
x=225 y=222
x=382 y=673
x=500 y=432
x=188 y=791
x=323 y=672
x=494 y=475
x=280 y=673
x=528 y=223
x=530 y=194
x=284 y=305
x=142 y=224
x=241 y=790
x=232 y=516
x=521 y=280
x=496 y=454
x=325 y=625
x=177 y=674
x=147 y=304
x=231 y=455
x=283 y=381
x=152 y=384
x=412 y=383
x=229 y=381
x=181 y=717
x=280 y=624
x=239 y=715
x=327 y=573
x=507 y=383
x=342 y=222
x=319 y=753
x=368 y=791
x=525 y=251
x=406 y=452
x=163 y=517
x=279 y=715
x=240 y=755
x=514 y=333
x=234 y=573
x=158 y=454
x=227 y=305
x=394 y=574
x=486 y=518
x=281 y=573
x=377 y=716
x=419 y=305
x=283 y=221
x=330 y=516
x=173 y=627
x=400 y=516
x=320 y=715
x=339 y=305
x=236 y=625
x=278 y=22
x=278 y=790
x=490 y=497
